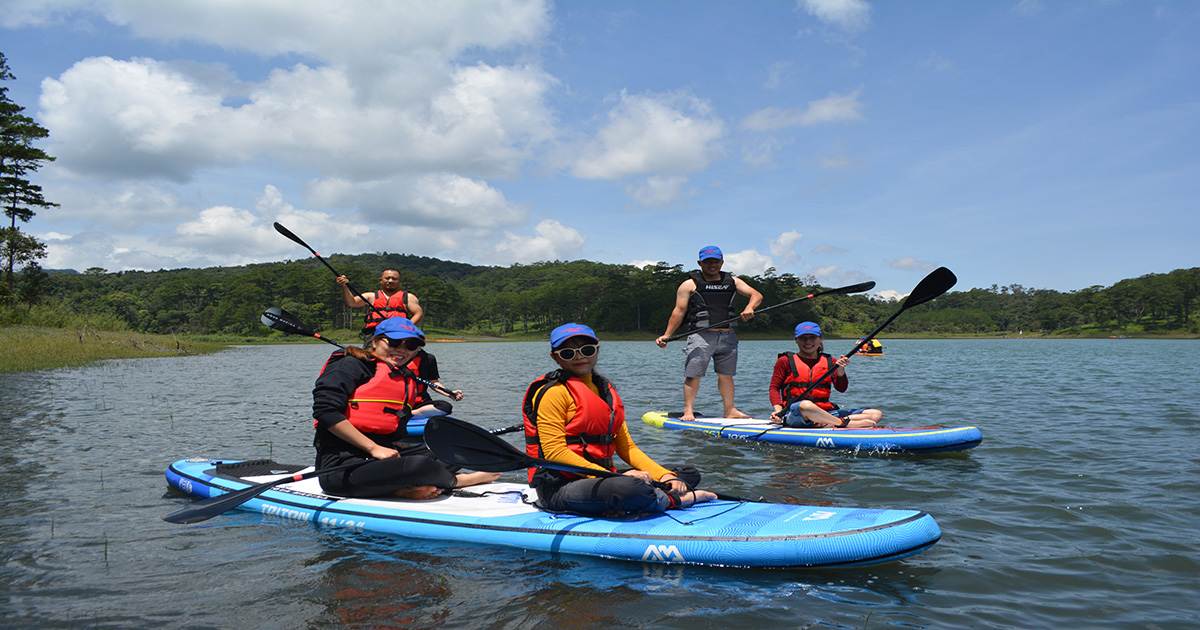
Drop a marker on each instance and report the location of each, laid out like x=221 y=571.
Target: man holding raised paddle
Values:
x=389 y=301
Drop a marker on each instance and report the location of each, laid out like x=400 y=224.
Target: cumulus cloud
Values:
x=148 y=119
x=848 y=15
x=829 y=249
x=660 y=134
x=784 y=246
x=553 y=241
x=835 y=276
x=659 y=191
x=121 y=208
x=834 y=108
x=908 y=263
x=747 y=262
x=443 y=200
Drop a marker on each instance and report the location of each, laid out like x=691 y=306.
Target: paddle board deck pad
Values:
x=877 y=439
x=715 y=533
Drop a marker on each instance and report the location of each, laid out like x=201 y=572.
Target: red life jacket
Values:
x=415 y=366
x=800 y=377
x=591 y=433
x=383 y=404
x=385 y=307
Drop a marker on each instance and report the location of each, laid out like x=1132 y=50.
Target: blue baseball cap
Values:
x=808 y=328
x=399 y=328
x=711 y=251
x=566 y=331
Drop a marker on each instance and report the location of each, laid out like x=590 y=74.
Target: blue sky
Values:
x=1049 y=144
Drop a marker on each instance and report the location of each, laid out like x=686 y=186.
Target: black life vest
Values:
x=711 y=302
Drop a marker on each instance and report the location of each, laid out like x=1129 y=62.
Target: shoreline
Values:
x=26 y=348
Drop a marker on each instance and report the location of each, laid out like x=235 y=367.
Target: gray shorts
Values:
x=719 y=345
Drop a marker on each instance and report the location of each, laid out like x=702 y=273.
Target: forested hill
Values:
x=612 y=298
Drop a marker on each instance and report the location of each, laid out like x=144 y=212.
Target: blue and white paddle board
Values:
x=877 y=439
x=716 y=533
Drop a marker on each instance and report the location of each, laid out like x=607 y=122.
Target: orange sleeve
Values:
x=634 y=455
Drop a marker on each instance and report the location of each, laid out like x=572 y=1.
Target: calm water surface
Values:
x=1080 y=507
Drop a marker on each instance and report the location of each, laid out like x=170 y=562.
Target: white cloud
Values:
x=849 y=15
x=660 y=192
x=120 y=208
x=149 y=119
x=747 y=262
x=834 y=108
x=554 y=241
x=784 y=246
x=442 y=200
x=829 y=249
x=908 y=263
x=665 y=134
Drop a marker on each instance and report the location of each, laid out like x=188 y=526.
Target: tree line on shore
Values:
x=481 y=300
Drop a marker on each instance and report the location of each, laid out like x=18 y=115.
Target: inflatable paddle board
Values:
x=881 y=439
x=716 y=533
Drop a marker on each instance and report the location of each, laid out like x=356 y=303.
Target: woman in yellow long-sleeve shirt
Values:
x=575 y=416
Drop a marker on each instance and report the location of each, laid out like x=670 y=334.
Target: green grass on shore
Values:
x=24 y=348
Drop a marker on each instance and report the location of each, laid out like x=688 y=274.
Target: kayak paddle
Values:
x=854 y=288
x=288 y=233
x=284 y=321
x=457 y=442
x=205 y=509
x=933 y=285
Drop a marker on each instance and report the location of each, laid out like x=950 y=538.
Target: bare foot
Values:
x=688 y=416
x=475 y=478
x=734 y=413
x=418 y=493
x=696 y=496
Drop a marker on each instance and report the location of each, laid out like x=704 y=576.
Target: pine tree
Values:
x=20 y=198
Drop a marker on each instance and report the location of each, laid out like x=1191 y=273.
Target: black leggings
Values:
x=383 y=477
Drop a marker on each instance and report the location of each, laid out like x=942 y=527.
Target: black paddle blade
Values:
x=464 y=444
x=288 y=233
x=284 y=321
x=205 y=509
x=935 y=284
x=855 y=288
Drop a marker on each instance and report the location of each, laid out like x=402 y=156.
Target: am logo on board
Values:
x=662 y=553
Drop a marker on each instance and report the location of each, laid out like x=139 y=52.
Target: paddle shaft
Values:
x=936 y=283
x=288 y=233
x=857 y=288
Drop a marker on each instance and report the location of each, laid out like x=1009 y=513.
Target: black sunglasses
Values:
x=566 y=354
x=411 y=343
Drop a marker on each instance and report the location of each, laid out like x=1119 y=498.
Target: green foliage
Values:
x=528 y=300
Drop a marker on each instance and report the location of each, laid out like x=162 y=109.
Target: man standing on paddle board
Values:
x=389 y=301
x=705 y=298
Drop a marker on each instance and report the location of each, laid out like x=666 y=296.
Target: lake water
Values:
x=1079 y=509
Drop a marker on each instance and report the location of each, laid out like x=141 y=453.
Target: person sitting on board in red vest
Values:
x=389 y=301
x=425 y=366
x=574 y=415
x=362 y=401
x=707 y=297
x=795 y=371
